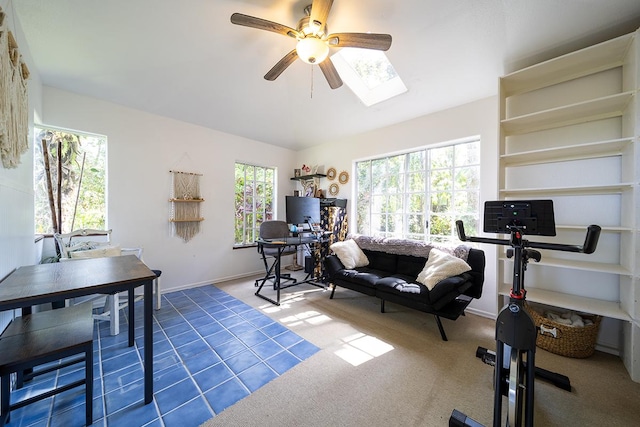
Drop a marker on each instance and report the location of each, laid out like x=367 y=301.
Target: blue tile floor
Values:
x=210 y=351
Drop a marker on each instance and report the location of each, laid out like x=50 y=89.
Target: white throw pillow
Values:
x=350 y=254
x=439 y=266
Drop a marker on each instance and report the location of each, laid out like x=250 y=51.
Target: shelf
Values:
x=305 y=177
x=599 y=267
x=568 y=191
x=613 y=147
x=572 y=302
x=566 y=138
x=187 y=200
x=600 y=57
x=581 y=112
x=187 y=220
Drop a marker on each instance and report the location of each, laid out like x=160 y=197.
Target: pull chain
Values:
x=312 y=82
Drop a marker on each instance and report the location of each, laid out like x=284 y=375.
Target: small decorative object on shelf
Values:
x=334 y=189
x=185 y=200
x=309 y=188
x=296 y=173
x=343 y=178
x=331 y=173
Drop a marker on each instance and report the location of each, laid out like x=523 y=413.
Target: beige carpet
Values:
x=393 y=369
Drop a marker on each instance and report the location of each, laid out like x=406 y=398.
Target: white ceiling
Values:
x=185 y=60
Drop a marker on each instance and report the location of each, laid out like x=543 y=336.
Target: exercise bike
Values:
x=514 y=358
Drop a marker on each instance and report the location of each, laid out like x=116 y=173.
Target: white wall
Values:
x=17 y=246
x=476 y=118
x=142 y=149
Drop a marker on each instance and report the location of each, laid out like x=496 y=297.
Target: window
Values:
x=420 y=194
x=369 y=74
x=83 y=161
x=254 y=201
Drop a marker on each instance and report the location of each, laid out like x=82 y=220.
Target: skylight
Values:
x=369 y=74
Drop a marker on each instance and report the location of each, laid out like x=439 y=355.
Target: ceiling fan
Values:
x=313 y=40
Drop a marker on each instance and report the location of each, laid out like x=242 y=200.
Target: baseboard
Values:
x=481 y=313
x=166 y=289
x=608 y=349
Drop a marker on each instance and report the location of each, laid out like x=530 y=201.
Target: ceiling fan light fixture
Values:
x=312 y=50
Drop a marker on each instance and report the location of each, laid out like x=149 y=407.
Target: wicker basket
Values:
x=569 y=341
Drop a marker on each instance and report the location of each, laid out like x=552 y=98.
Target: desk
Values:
x=45 y=283
x=281 y=244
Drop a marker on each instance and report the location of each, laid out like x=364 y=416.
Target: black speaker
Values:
x=308 y=264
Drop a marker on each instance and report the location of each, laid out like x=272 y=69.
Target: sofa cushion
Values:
x=382 y=261
x=410 y=265
x=439 y=266
x=400 y=286
x=367 y=277
x=350 y=254
x=447 y=289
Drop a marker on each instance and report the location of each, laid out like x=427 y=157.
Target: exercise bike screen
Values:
x=528 y=216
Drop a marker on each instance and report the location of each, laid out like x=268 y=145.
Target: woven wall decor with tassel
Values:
x=186 y=204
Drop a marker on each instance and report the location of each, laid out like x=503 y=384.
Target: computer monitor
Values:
x=302 y=210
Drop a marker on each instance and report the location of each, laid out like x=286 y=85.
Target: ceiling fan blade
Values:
x=320 y=11
x=281 y=65
x=262 y=24
x=362 y=40
x=330 y=73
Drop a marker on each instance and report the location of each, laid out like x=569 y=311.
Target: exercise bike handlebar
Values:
x=588 y=247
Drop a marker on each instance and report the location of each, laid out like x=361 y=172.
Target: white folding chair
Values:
x=90 y=243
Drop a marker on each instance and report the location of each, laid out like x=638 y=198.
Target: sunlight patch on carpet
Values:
x=360 y=348
x=312 y=317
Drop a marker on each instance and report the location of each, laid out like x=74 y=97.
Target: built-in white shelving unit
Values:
x=569 y=132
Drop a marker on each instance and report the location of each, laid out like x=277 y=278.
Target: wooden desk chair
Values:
x=91 y=243
x=33 y=340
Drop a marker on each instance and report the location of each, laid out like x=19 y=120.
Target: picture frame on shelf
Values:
x=310 y=190
x=297 y=173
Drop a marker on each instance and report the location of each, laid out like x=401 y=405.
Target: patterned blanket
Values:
x=416 y=248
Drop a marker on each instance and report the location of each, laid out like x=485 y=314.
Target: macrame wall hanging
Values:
x=185 y=204
x=14 y=108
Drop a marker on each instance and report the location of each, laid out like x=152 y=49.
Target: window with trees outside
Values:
x=419 y=194
x=70 y=188
x=254 y=201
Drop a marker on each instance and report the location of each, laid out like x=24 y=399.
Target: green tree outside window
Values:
x=82 y=183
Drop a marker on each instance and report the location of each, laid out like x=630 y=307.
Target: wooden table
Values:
x=45 y=283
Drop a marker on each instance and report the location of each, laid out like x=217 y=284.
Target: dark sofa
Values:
x=392 y=277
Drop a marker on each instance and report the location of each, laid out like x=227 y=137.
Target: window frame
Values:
x=266 y=211
x=396 y=192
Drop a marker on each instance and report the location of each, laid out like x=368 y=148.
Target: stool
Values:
x=156 y=281
x=35 y=339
